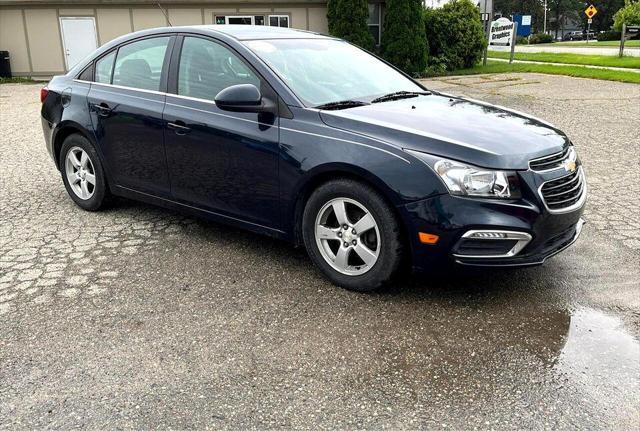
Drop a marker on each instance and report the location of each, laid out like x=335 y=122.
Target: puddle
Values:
x=600 y=357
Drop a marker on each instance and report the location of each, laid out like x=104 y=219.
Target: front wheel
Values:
x=352 y=235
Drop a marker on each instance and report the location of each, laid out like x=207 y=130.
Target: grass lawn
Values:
x=577 y=71
x=595 y=44
x=16 y=80
x=552 y=57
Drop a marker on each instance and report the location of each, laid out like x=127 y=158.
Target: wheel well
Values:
x=323 y=178
x=63 y=134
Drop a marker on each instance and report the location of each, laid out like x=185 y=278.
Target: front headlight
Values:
x=467 y=180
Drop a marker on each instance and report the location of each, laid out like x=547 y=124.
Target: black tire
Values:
x=391 y=244
x=100 y=191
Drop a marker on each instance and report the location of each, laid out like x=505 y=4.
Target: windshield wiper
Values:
x=343 y=104
x=399 y=95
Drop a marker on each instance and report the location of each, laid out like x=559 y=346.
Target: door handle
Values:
x=102 y=109
x=179 y=127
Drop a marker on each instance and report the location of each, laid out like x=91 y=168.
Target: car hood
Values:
x=453 y=127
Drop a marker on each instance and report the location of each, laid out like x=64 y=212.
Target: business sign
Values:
x=524 y=25
x=501 y=33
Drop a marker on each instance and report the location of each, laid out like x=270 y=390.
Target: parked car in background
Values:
x=310 y=139
x=574 y=35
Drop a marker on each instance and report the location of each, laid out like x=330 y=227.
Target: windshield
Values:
x=321 y=71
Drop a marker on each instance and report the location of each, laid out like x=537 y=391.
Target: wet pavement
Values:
x=141 y=318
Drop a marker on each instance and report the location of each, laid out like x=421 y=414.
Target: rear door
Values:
x=126 y=102
x=222 y=161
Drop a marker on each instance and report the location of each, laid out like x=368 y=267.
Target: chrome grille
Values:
x=565 y=193
x=552 y=161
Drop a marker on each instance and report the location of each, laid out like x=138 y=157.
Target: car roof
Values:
x=253 y=32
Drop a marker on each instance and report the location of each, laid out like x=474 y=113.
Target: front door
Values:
x=221 y=161
x=79 y=38
x=126 y=102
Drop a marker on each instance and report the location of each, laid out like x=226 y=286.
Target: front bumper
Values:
x=452 y=217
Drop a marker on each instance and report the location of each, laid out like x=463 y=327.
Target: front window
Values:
x=322 y=71
x=206 y=68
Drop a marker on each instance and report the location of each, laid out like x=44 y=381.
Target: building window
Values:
x=374 y=21
x=274 y=20
x=239 y=19
x=279 y=20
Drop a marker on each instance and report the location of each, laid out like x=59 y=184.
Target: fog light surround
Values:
x=521 y=240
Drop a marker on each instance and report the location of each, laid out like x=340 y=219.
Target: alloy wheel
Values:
x=80 y=173
x=347 y=236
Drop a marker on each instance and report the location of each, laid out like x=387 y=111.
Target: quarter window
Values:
x=139 y=64
x=104 y=67
x=206 y=68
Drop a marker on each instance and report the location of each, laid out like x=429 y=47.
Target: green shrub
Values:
x=522 y=40
x=629 y=14
x=455 y=36
x=540 y=38
x=608 y=35
x=404 y=42
x=347 y=19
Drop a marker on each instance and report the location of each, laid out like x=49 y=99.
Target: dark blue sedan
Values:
x=308 y=138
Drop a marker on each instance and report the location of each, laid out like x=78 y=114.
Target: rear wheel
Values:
x=82 y=173
x=352 y=235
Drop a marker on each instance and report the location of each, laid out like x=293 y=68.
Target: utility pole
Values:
x=544 y=25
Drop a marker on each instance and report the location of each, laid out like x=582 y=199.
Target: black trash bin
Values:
x=5 y=65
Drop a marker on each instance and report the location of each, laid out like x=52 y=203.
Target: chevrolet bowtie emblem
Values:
x=570 y=165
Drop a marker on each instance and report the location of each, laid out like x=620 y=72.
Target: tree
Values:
x=535 y=8
x=455 y=34
x=629 y=15
x=347 y=19
x=603 y=20
x=404 y=42
x=561 y=10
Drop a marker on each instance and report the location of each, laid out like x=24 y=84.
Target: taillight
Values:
x=44 y=92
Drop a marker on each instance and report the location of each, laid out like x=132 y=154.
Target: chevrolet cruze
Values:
x=310 y=139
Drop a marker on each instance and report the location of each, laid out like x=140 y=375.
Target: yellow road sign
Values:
x=591 y=11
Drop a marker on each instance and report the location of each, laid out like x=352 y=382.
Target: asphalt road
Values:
x=141 y=318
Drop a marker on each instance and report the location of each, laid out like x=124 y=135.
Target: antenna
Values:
x=164 y=12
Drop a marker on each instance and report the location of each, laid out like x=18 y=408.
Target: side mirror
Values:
x=243 y=98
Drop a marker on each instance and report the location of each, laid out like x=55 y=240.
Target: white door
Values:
x=79 y=39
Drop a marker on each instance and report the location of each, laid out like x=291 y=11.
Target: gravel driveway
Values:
x=141 y=318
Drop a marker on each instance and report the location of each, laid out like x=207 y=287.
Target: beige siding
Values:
x=253 y=10
x=37 y=49
x=318 y=19
x=43 y=30
x=148 y=18
x=185 y=16
x=297 y=17
x=76 y=12
x=112 y=23
x=12 y=39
